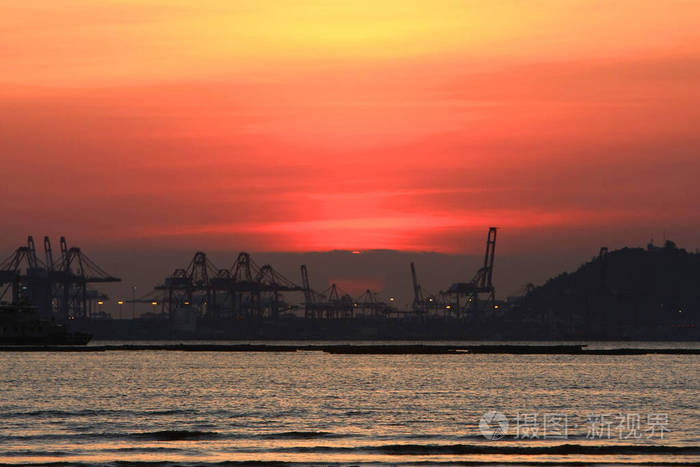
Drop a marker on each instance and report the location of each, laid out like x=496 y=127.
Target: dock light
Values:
x=448 y=306
x=154 y=303
x=187 y=303
x=120 y=302
x=495 y=307
x=391 y=299
x=100 y=302
x=430 y=300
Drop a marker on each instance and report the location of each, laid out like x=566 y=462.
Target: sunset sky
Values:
x=315 y=125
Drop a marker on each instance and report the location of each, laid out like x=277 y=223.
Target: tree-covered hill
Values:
x=631 y=292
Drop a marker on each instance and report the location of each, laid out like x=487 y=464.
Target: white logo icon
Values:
x=493 y=425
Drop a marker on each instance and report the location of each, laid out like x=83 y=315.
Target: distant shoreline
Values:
x=383 y=349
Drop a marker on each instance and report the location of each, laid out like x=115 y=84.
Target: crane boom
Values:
x=31 y=253
x=418 y=300
x=49 y=255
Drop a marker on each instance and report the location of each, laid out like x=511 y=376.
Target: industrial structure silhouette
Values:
x=243 y=291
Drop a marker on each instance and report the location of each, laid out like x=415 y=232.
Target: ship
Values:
x=22 y=325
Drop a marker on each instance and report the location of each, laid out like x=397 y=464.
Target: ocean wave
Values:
x=174 y=435
x=52 y=413
x=456 y=449
x=183 y=464
x=31 y=453
x=58 y=413
x=145 y=449
x=250 y=463
x=160 y=435
x=358 y=413
x=302 y=435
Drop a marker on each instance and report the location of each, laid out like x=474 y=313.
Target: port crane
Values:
x=244 y=290
x=187 y=285
x=309 y=295
x=481 y=284
x=418 y=300
x=54 y=287
x=424 y=302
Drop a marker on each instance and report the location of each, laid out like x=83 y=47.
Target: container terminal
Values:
x=248 y=301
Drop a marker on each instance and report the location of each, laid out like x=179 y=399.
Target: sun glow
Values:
x=321 y=125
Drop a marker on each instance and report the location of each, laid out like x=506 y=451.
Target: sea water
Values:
x=317 y=408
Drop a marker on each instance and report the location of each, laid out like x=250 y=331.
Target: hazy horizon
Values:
x=383 y=271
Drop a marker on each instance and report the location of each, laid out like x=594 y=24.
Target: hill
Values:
x=628 y=293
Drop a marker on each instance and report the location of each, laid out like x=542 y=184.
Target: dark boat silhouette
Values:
x=22 y=325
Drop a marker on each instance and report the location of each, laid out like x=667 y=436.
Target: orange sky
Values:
x=316 y=125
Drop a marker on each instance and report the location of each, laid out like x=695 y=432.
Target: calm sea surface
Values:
x=312 y=407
